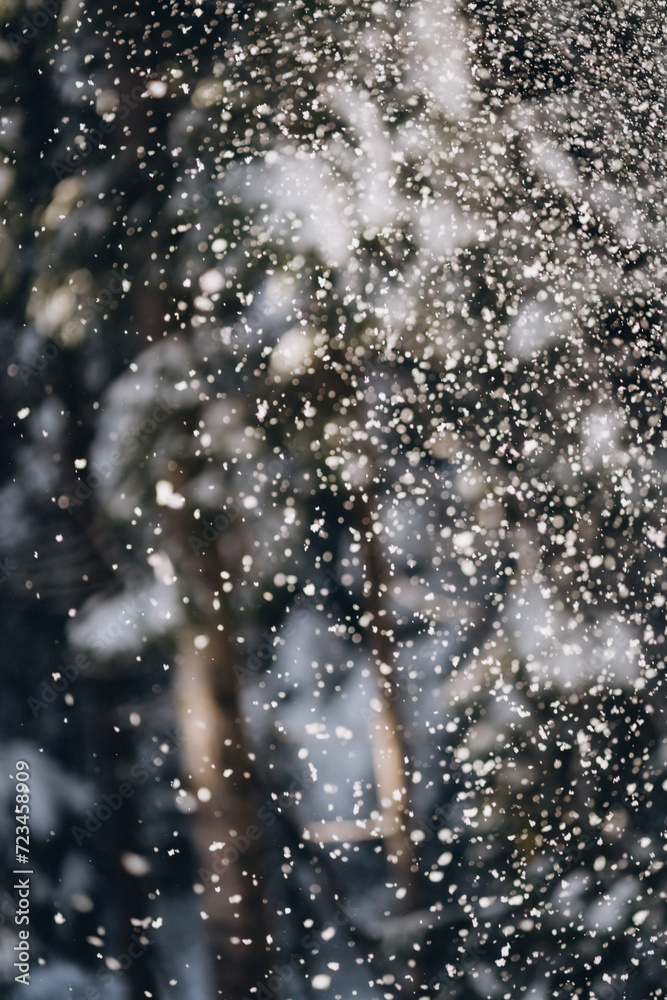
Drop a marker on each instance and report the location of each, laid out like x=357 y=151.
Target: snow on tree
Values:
x=333 y=388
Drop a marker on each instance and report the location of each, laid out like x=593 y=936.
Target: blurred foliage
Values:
x=390 y=269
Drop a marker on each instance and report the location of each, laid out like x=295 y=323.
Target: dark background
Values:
x=333 y=450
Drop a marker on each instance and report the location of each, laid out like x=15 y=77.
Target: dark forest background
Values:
x=333 y=436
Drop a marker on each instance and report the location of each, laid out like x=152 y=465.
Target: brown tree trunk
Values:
x=219 y=774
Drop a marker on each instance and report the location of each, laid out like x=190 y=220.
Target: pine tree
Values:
x=358 y=339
